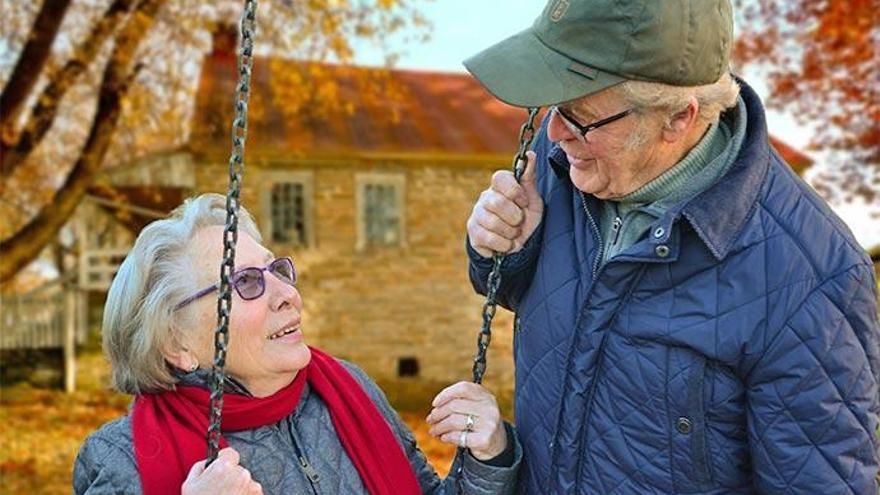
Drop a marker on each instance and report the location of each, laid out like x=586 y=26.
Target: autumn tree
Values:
x=822 y=65
x=91 y=84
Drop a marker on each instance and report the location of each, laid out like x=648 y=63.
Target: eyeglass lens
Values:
x=250 y=282
x=567 y=121
x=284 y=270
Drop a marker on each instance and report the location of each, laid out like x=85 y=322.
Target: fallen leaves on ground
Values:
x=43 y=430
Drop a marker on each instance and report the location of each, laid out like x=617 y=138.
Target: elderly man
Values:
x=691 y=317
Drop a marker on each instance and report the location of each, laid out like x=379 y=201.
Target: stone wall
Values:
x=376 y=305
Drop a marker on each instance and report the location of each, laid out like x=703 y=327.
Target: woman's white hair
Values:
x=139 y=316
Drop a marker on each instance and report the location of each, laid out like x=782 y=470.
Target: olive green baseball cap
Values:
x=579 y=47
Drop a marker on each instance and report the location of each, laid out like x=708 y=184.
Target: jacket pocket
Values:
x=686 y=371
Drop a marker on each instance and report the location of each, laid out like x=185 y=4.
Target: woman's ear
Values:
x=180 y=356
x=182 y=359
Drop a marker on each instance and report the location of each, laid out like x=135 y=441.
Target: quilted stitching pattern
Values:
x=765 y=346
x=106 y=465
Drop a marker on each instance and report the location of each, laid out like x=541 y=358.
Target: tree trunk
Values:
x=14 y=151
x=26 y=244
x=31 y=61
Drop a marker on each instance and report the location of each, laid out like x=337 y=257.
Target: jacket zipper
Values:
x=595 y=271
x=601 y=243
x=309 y=470
x=311 y=473
x=615 y=227
x=618 y=222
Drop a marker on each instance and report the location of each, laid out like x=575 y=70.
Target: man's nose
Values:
x=557 y=130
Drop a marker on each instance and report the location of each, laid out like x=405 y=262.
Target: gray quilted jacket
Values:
x=106 y=464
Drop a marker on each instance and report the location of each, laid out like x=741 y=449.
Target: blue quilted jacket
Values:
x=734 y=349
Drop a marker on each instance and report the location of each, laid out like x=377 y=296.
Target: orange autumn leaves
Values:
x=43 y=430
x=822 y=65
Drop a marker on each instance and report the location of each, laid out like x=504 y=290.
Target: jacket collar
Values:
x=736 y=193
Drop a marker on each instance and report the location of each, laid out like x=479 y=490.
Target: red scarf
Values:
x=169 y=428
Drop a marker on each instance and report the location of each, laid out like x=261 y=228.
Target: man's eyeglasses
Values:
x=250 y=282
x=581 y=130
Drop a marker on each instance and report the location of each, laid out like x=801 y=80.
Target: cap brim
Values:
x=524 y=72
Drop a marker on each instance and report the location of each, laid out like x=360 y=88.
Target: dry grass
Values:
x=43 y=429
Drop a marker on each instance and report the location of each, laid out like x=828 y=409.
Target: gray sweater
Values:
x=106 y=464
x=627 y=219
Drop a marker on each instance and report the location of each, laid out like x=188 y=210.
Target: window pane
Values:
x=381 y=214
x=288 y=213
x=407 y=366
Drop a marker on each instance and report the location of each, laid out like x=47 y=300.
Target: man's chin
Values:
x=585 y=181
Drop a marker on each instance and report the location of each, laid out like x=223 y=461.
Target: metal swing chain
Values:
x=230 y=233
x=230 y=237
x=526 y=134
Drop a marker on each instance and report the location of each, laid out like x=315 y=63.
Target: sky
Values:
x=462 y=28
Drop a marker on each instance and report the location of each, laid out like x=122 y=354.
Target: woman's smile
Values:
x=288 y=335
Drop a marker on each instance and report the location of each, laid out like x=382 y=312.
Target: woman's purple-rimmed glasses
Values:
x=581 y=130
x=250 y=282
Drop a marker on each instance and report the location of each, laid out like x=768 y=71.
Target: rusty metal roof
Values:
x=431 y=112
x=798 y=161
x=437 y=113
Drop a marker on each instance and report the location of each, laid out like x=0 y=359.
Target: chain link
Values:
x=526 y=134
x=230 y=238
x=230 y=232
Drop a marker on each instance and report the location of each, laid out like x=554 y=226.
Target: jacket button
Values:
x=683 y=425
x=662 y=250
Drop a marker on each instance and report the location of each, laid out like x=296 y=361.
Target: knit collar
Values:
x=737 y=191
x=678 y=179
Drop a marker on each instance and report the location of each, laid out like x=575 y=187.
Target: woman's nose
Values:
x=282 y=295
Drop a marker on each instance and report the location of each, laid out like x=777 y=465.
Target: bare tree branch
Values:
x=15 y=151
x=26 y=244
x=31 y=61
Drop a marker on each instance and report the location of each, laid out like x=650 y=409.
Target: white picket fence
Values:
x=97 y=267
x=52 y=316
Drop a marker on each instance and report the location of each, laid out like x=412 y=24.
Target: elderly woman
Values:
x=295 y=420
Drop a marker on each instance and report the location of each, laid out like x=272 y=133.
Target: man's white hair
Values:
x=668 y=100
x=713 y=98
x=139 y=317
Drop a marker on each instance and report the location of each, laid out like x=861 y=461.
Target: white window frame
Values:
x=306 y=179
x=362 y=180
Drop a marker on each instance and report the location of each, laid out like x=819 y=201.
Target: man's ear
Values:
x=682 y=122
